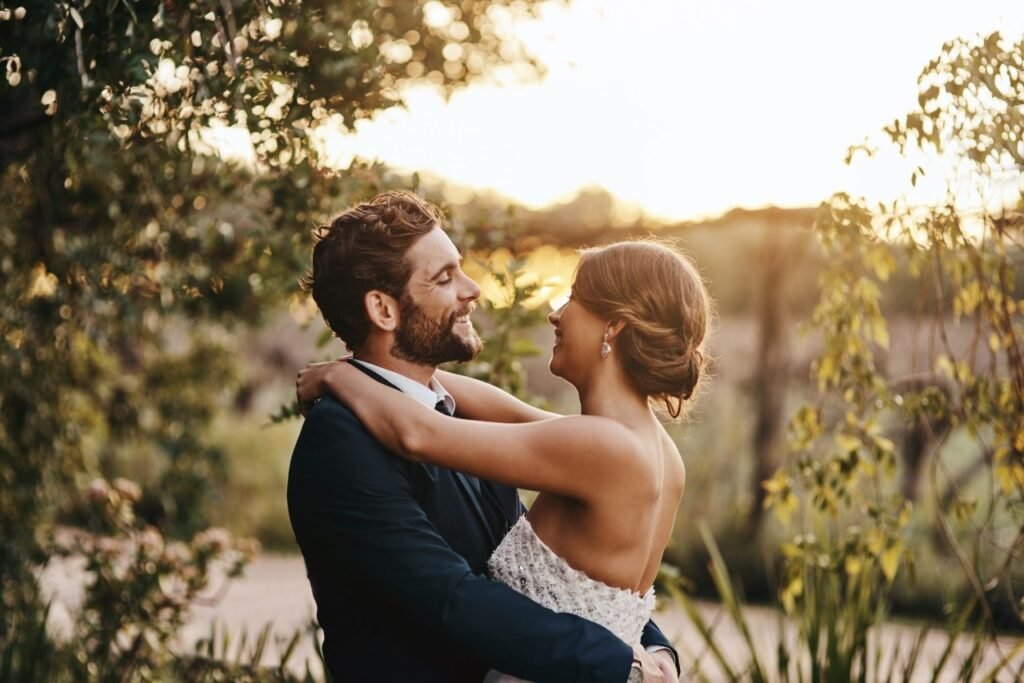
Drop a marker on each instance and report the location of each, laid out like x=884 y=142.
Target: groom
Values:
x=395 y=551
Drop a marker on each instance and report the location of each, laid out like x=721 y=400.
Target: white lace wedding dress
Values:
x=525 y=563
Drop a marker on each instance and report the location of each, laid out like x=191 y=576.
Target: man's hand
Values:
x=653 y=673
x=663 y=658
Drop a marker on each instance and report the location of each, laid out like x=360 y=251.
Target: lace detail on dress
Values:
x=525 y=563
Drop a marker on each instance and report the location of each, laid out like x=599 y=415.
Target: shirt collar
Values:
x=427 y=395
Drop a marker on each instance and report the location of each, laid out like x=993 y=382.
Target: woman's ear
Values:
x=614 y=328
x=382 y=310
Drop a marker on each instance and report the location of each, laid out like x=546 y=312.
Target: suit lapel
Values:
x=470 y=492
x=474 y=500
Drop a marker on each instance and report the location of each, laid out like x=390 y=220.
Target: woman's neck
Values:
x=610 y=395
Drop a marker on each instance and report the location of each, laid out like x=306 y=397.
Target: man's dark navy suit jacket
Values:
x=396 y=554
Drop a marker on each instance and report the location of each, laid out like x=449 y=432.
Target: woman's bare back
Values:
x=618 y=536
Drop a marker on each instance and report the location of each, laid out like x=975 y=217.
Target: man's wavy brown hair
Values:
x=364 y=249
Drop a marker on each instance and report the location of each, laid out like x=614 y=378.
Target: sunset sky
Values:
x=687 y=108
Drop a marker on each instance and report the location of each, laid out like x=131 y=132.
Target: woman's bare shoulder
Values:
x=675 y=467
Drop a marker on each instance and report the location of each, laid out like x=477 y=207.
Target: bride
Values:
x=610 y=480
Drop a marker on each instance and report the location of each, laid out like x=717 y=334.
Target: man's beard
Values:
x=423 y=340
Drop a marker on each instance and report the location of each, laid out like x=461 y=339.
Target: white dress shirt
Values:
x=428 y=395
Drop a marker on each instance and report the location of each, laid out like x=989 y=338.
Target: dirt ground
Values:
x=274 y=591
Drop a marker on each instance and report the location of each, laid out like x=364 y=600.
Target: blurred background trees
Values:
x=134 y=254
x=163 y=162
x=949 y=499
x=953 y=390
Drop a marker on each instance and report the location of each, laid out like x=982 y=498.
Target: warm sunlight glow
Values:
x=686 y=109
x=547 y=268
x=231 y=143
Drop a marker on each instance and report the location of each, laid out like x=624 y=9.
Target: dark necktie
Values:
x=492 y=509
x=442 y=408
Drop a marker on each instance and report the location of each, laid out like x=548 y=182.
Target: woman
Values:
x=610 y=479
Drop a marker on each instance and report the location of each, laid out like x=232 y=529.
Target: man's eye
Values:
x=445 y=282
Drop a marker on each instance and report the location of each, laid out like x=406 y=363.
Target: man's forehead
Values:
x=433 y=250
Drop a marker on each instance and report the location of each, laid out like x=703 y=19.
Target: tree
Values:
x=966 y=261
x=777 y=255
x=132 y=252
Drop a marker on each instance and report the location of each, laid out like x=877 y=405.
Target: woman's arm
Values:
x=571 y=456
x=357 y=514
x=476 y=400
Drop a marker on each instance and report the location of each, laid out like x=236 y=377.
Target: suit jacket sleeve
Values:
x=358 y=496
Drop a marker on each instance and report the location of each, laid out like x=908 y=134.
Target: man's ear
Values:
x=382 y=310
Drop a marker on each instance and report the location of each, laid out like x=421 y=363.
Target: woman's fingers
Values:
x=309 y=382
x=304 y=386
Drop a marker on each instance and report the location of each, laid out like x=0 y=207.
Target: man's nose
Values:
x=470 y=289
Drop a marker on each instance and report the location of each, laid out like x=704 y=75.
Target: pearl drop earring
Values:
x=606 y=348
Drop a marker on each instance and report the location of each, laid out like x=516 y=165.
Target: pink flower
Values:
x=99 y=491
x=128 y=489
x=215 y=538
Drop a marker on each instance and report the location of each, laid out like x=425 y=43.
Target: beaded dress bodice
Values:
x=523 y=562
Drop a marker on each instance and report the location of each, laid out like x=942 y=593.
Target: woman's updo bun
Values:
x=659 y=295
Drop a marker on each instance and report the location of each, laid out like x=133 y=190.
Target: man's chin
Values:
x=472 y=349
x=472 y=343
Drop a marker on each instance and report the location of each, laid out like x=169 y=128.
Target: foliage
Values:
x=27 y=654
x=803 y=656
x=852 y=536
x=838 y=577
x=839 y=580
x=220 y=658
x=131 y=252
x=138 y=588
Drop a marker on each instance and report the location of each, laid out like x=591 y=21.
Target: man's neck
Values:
x=417 y=373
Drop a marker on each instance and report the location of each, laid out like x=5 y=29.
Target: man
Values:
x=396 y=551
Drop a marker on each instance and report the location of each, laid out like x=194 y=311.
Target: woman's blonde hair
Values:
x=659 y=295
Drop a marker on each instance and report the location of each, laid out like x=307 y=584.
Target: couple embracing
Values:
x=402 y=490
